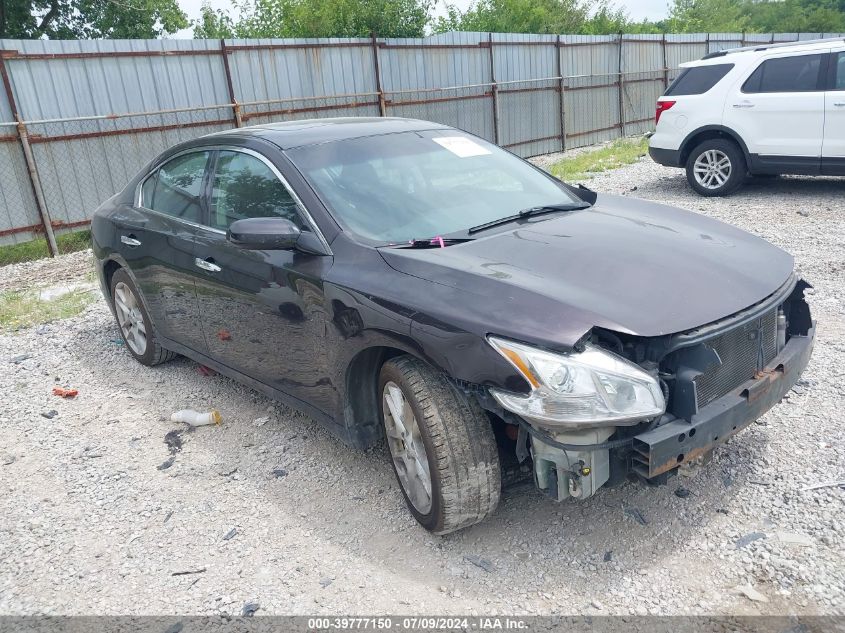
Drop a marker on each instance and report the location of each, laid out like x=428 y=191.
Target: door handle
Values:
x=207 y=265
x=129 y=240
x=743 y=105
x=839 y=104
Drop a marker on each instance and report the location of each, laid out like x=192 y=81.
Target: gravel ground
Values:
x=268 y=508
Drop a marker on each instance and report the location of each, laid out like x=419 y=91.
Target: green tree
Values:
x=707 y=16
x=213 y=24
x=88 y=19
x=318 y=18
x=534 y=16
x=797 y=16
x=757 y=16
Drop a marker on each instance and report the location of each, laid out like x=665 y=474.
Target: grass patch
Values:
x=619 y=153
x=25 y=308
x=37 y=249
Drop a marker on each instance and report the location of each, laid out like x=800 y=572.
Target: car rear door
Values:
x=833 y=149
x=263 y=311
x=778 y=111
x=157 y=242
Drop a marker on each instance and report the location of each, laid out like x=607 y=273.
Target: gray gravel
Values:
x=267 y=510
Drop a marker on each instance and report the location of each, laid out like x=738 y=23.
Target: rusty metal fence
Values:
x=78 y=119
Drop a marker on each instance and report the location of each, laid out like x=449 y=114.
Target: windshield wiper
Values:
x=439 y=241
x=531 y=212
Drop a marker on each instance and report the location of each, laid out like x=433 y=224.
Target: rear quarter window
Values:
x=698 y=79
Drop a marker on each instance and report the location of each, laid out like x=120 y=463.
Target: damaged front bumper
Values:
x=576 y=464
x=668 y=446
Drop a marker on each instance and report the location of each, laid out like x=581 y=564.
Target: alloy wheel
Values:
x=406 y=447
x=712 y=169
x=129 y=318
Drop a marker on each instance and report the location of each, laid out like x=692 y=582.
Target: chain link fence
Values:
x=69 y=143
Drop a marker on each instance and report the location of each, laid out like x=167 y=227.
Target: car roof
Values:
x=290 y=134
x=753 y=52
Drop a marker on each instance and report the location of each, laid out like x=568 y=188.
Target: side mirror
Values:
x=270 y=234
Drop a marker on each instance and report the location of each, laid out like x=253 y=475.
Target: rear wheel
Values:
x=716 y=167
x=442 y=446
x=134 y=322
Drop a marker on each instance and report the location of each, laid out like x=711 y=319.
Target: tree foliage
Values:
x=87 y=19
x=534 y=16
x=317 y=18
x=756 y=16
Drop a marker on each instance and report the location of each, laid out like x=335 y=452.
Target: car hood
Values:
x=626 y=265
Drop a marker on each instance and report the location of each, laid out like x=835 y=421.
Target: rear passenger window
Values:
x=698 y=80
x=147 y=190
x=178 y=187
x=786 y=74
x=839 y=76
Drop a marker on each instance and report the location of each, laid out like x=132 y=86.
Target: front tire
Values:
x=442 y=447
x=134 y=321
x=716 y=167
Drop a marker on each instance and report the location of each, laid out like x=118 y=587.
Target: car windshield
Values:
x=415 y=185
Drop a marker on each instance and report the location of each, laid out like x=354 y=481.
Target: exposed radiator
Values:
x=743 y=351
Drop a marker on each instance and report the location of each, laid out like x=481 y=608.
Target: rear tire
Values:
x=459 y=452
x=716 y=167
x=133 y=321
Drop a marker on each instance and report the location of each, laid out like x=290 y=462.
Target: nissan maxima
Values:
x=407 y=282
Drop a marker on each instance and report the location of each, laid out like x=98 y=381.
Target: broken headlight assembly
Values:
x=580 y=389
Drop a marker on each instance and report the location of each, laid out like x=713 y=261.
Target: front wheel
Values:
x=134 y=321
x=716 y=167
x=442 y=445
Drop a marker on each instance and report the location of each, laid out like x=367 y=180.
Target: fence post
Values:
x=35 y=181
x=621 y=91
x=494 y=90
x=236 y=108
x=665 y=65
x=559 y=69
x=382 y=107
x=31 y=169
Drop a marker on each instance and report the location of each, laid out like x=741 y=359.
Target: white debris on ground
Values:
x=108 y=507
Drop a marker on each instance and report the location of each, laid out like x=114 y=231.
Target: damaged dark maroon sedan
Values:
x=403 y=280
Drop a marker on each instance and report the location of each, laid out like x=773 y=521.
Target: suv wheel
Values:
x=716 y=167
x=442 y=446
x=134 y=322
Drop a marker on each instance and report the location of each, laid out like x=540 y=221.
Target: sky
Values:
x=636 y=9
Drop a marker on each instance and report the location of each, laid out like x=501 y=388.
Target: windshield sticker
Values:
x=461 y=146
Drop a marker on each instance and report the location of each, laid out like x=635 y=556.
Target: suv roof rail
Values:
x=765 y=47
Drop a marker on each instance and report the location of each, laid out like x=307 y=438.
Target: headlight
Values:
x=589 y=388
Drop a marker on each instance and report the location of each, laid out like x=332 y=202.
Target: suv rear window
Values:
x=698 y=80
x=799 y=73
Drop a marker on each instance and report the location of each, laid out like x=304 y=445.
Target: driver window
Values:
x=245 y=187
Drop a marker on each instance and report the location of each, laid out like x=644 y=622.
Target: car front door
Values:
x=157 y=242
x=833 y=150
x=779 y=111
x=263 y=311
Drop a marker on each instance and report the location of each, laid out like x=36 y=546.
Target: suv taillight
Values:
x=662 y=106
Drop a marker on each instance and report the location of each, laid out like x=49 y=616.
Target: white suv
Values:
x=757 y=111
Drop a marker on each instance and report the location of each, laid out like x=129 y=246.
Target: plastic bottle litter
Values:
x=197 y=418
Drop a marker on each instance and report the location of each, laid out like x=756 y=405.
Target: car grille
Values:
x=743 y=351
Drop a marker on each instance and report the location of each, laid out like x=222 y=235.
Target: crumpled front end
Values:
x=714 y=380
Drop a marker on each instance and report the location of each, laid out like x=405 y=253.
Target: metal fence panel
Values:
x=96 y=111
x=104 y=77
x=17 y=202
x=526 y=69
